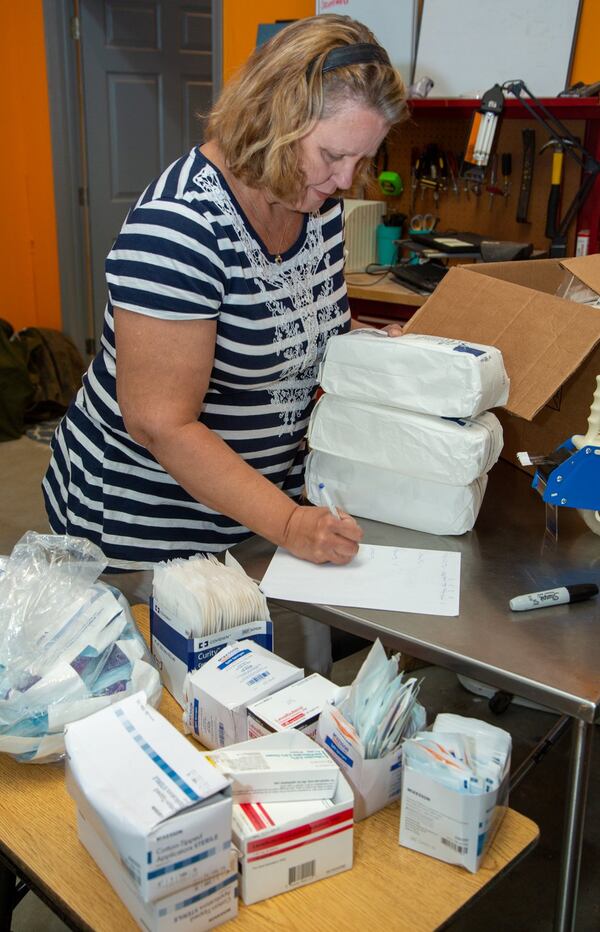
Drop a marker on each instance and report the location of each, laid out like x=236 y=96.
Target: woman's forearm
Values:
x=212 y=473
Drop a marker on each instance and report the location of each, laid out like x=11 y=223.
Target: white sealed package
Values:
x=389 y=496
x=426 y=374
x=454 y=451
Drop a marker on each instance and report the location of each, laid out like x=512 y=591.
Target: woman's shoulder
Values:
x=331 y=210
x=191 y=181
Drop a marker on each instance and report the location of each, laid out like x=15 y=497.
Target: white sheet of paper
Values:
x=400 y=579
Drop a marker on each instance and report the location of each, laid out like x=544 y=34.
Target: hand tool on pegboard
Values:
x=452 y=166
x=558 y=146
x=526 y=175
x=506 y=167
x=492 y=187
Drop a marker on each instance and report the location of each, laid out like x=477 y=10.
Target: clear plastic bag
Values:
x=572 y=288
x=68 y=644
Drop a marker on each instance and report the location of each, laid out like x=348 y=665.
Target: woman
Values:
x=224 y=285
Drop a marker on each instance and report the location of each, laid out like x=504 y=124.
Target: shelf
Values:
x=565 y=108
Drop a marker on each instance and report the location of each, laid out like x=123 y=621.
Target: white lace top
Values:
x=186 y=250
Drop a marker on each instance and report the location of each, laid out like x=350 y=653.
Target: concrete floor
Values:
x=521 y=902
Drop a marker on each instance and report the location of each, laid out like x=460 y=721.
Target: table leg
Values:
x=581 y=752
x=8 y=886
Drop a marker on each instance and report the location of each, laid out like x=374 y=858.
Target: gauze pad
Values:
x=206 y=596
x=426 y=374
x=451 y=451
x=389 y=496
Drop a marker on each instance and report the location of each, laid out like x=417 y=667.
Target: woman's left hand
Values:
x=393 y=330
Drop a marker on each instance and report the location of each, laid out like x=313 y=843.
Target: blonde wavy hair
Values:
x=280 y=93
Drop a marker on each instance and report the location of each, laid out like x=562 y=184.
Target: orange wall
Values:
x=241 y=18
x=29 y=283
x=586 y=66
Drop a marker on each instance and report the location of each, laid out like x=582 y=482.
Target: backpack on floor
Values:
x=16 y=389
x=55 y=369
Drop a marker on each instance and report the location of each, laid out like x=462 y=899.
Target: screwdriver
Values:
x=506 y=162
x=492 y=188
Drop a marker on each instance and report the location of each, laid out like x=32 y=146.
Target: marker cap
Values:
x=581 y=591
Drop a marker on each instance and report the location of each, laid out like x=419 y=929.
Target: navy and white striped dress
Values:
x=186 y=251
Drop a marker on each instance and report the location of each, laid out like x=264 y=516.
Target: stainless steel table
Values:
x=551 y=656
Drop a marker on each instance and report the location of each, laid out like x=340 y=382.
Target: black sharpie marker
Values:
x=577 y=593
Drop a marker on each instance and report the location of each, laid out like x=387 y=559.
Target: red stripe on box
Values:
x=253 y=817
x=310 y=828
x=301 y=844
x=265 y=814
x=291 y=719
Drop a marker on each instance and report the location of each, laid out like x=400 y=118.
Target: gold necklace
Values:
x=278 y=257
x=249 y=207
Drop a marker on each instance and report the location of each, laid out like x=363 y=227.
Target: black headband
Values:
x=359 y=54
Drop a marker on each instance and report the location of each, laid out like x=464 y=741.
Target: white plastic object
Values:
x=386 y=495
x=416 y=372
x=591 y=437
x=451 y=451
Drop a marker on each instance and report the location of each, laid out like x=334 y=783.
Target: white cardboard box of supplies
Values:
x=202 y=906
x=217 y=695
x=376 y=783
x=178 y=653
x=297 y=706
x=162 y=810
x=272 y=769
x=287 y=845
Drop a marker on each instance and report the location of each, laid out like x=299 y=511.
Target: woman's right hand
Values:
x=314 y=534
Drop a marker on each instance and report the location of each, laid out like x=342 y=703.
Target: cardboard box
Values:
x=287 y=845
x=154 y=801
x=549 y=345
x=454 y=827
x=217 y=695
x=297 y=706
x=179 y=654
x=376 y=783
x=201 y=906
x=273 y=769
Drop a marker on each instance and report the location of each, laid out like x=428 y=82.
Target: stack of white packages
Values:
x=403 y=434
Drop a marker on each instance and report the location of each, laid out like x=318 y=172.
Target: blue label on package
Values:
x=463 y=348
x=233 y=658
x=337 y=750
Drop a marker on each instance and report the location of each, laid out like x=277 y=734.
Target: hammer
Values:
x=558 y=146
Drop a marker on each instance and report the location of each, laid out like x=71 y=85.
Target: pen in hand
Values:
x=325 y=496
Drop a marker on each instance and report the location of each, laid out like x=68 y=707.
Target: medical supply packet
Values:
x=217 y=695
x=68 y=644
x=203 y=905
x=178 y=652
x=417 y=372
x=272 y=770
x=368 y=491
x=364 y=732
x=455 y=789
x=286 y=845
x=454 y=451
x=163 y=811
x=297 y=706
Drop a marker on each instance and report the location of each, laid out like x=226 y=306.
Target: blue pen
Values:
x=327 y=500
